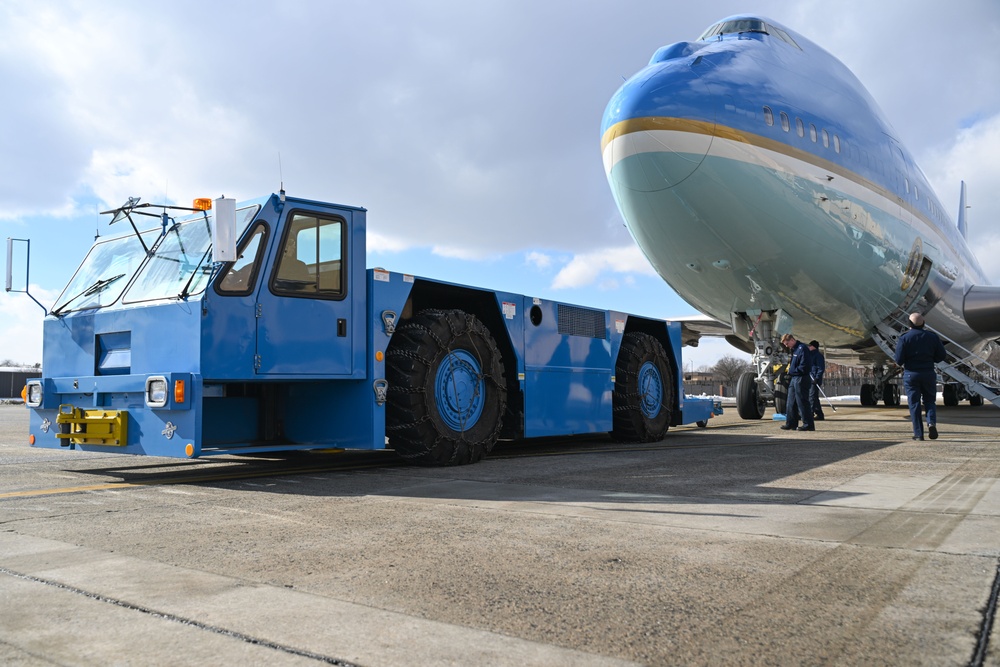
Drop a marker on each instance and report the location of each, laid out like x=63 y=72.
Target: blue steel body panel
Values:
x=568 y=379
x=329 y=390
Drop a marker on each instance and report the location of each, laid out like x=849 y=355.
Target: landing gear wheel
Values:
x=749 y=403
x=868 y=395
x=447 y=393
x=644 y=390
x=949 y=393
x=890 y=396
x=975 y=400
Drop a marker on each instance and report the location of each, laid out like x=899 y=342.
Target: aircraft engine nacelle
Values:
x=982 y=310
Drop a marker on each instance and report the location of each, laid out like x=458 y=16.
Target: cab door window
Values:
x=310 y=258
x=242 y=273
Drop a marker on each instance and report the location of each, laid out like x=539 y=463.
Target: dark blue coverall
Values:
x=917 y=351
x=798 y=388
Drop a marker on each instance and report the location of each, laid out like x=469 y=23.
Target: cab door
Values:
x=304 y=307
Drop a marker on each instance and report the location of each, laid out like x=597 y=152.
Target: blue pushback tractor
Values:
x=255 y=327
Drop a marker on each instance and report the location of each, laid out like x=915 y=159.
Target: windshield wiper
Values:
x=99 y=286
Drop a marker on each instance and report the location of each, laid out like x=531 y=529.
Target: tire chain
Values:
x=447 y=318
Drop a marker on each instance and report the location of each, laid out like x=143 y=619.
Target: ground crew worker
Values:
x=816 y=376
x=917 y=351
x=798 y=386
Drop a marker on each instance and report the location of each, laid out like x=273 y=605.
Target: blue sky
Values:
x=470 y=131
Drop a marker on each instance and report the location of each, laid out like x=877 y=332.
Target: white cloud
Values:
x=22 y=324
x=587 y=268
x=972 y=157
x=462 y=252
x=378 y=243
x=539 y=260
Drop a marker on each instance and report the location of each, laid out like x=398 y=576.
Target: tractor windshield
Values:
x=104 y=273
x=181 y=263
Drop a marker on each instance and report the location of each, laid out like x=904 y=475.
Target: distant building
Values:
x=12 y=380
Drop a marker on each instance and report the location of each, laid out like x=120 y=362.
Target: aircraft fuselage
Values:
x=757 y=174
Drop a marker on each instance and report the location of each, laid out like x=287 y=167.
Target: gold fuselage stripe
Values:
x=662 y=123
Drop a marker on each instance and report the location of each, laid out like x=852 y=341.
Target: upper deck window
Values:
x=784 y=121
x=768 y=116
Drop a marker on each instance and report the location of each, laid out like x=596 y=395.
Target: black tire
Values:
x=644 y=390
x=781 y=392
x=975 y=400
x=890 y=395
x=749 y=403
x=949 y=393
x=447 y=393
x=868 y=395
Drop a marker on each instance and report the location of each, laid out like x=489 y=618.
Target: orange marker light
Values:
x=202 y=204
x=379 y=356
x=24 y=393
x=31 y=439
x=189 y=449
x=178 y=391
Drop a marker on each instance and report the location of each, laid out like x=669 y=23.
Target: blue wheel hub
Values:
x=459 y=390
x=650 y=390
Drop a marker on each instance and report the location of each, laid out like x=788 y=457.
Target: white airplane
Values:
x=765 y=185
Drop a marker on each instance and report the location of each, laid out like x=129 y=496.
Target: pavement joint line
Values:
x=107 y=486
x=986 y=629
x=256 y=641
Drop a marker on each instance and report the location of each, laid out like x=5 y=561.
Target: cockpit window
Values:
x=733 y=27
x=783 y=36
x=747 y=25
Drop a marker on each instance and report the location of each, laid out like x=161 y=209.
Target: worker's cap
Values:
x=814 y=343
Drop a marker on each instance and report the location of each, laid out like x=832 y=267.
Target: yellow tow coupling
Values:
x=92 y=427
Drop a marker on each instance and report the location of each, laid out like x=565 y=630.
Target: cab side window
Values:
x=242 y=273
x=309 y=260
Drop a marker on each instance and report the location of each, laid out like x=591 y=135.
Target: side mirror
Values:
x=27 y=266
x=224 y=230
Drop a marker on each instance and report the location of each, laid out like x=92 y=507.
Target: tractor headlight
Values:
x=33 y=398
x=156 y=391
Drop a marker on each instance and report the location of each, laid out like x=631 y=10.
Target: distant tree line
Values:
x=10 y=363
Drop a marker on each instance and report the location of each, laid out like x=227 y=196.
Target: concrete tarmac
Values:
x=736 y=544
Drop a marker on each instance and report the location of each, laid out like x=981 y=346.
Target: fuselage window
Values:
x=812 y=132
x=826 y=139
x=800 y=127
x=836 y=143
x=906 y=184
x=784 y=121
x=768 y=116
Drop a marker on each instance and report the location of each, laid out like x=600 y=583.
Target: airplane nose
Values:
x=659 y=128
